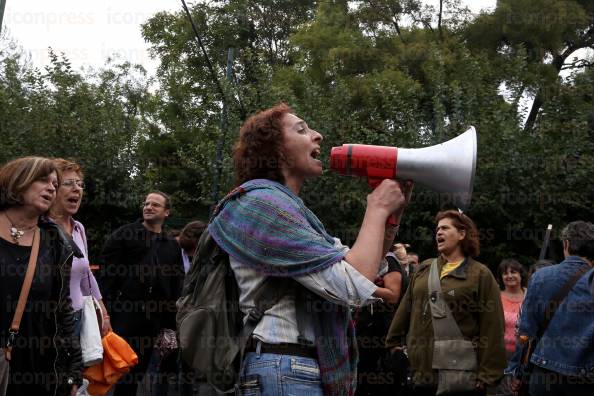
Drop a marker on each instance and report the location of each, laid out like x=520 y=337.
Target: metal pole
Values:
x=2 y=6
x=208 y=62
x=221 y=143
x=545 y=243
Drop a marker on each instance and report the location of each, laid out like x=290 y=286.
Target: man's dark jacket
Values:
x=141 y=276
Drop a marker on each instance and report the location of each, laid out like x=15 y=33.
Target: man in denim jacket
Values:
x=564 y=357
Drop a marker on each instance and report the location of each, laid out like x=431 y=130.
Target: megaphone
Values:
x=447 y=168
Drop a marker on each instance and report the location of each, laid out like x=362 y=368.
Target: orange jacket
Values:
x=118 y=359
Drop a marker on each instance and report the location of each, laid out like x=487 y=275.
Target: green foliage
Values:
x=95 y=120
x=385 y=72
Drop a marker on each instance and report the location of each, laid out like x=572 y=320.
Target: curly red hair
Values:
x=470 y=244
x=258 y=152
x=65 y=165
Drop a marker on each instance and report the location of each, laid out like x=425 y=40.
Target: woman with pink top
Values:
x=512 y=278
x=66 y=205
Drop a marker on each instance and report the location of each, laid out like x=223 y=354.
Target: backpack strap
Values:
x=301 y=300
x=265 y=297
x=554 y=303
x=444 y=324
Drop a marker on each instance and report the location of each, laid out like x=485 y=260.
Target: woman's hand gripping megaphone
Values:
x=391 y=198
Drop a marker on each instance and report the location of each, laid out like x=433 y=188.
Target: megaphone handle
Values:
x=392 y=221
x=373 y=183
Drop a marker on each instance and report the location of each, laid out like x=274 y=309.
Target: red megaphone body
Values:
x=375 y=163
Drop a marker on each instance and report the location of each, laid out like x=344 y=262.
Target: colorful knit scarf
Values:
x=265 y=226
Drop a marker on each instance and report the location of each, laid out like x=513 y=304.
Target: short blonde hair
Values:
x=17 y=176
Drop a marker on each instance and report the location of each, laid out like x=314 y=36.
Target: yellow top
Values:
x=448 y=268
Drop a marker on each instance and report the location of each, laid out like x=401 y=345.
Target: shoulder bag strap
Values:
x=552 y=306
x=20 y=308
x=86 y=253
x=444 y=325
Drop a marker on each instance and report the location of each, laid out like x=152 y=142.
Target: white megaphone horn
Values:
x=447 y=168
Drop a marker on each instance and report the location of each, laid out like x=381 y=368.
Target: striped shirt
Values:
x=339 y=283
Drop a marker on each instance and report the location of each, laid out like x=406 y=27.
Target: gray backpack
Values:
x=212 y=335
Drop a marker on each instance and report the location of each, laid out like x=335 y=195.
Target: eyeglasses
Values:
x=49 y=180
x=70 y=183
x=153 y=204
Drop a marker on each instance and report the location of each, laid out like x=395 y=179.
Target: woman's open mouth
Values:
x=47 y=197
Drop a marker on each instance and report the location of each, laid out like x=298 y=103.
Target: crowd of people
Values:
x=386 y=323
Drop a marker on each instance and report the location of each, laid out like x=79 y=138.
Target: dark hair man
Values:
x=142 y=276
x=188 y=240
x=413 y=260
x=564 y=355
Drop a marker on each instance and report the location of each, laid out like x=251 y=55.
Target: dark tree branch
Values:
x=427 y=25
x=558 y=62
x=419 y=19
x=395 y=23
x=206 y=57
x=395 y=11
x=578 y=64
x=439 y=20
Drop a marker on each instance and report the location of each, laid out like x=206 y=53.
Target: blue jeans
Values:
x=544 y=382
x=269 y=374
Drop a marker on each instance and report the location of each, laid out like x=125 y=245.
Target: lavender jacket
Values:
x=82 y=280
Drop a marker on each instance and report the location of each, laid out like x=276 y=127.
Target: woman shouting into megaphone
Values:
x=304 y=343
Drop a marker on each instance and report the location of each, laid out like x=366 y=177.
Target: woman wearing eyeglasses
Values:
x=67 y=202
x=44 y=351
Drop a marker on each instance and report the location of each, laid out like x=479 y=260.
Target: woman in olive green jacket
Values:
x=472 y=294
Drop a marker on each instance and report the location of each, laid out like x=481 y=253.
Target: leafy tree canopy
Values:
x=386 y=72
